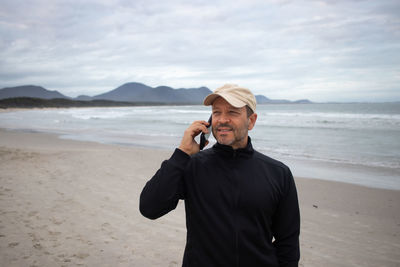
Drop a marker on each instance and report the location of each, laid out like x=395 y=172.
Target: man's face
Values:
x=230 y=125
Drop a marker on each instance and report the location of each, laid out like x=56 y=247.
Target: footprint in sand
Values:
x=37 y=246
x=32 y=213
x=81 y=255
x=13 y=244
x=56 y=221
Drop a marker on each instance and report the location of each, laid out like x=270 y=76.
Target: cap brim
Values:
x=209 y=100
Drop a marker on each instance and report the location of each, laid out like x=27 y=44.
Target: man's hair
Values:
x=249 y=111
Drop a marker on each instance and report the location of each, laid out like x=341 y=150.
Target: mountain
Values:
x=265 y=100
x=83 y=98
x=126 y=92
x=138 y=92
x=302 y=101
x=134 y=92
x=29 y=91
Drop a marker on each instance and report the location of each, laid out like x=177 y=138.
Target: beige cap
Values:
x=235 y=95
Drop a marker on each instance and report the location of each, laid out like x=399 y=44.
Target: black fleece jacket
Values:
x=241 y=206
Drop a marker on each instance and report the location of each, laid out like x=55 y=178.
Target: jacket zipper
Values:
x=236 y=210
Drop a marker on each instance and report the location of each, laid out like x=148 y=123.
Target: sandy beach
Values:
x=70 y=203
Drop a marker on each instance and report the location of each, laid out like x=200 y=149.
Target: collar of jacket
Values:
x=228 y=151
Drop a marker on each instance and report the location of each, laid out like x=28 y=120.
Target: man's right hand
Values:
x=188 y=144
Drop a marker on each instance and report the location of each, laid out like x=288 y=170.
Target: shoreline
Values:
x=66 y=202
x=57 y=138
x=347 y=173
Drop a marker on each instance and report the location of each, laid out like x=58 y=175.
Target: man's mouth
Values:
x=224 y=129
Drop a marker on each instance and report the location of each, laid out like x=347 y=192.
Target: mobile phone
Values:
x=204 y=137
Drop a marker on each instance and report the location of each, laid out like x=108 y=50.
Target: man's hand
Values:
x=188 y=144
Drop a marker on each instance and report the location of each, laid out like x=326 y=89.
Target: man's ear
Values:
x=252 y=121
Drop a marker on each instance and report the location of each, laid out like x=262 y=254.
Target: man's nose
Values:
x=223 y=118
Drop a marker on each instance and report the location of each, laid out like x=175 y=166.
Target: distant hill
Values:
x=302 y=101
x=126 y=91
x=29 y=91
x=129 y=92
x=264 y=100
x=83 y=98
x=132 y=92
x=30 y=102
x=138 y=92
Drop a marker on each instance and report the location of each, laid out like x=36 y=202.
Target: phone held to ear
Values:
x=204 y=137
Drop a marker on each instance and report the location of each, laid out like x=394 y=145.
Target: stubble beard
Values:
x=238 y=135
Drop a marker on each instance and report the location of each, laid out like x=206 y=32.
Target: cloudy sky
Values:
x=327 y=50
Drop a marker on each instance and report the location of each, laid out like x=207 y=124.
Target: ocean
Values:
x=356 y=143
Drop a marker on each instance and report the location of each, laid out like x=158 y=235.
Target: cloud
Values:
x=282 y=49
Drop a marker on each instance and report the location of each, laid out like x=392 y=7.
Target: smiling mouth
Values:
x=224 y=129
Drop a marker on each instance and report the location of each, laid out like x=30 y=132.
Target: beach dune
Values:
x=70 y=203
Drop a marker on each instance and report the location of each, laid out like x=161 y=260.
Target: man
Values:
x=241 y=206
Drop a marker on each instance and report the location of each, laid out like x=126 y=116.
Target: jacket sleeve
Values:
x=286 y=225
x=162 y=192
